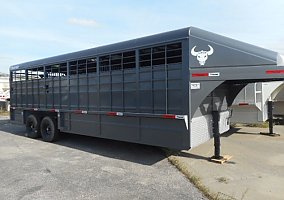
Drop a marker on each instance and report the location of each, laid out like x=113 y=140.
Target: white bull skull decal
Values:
x=202 y=56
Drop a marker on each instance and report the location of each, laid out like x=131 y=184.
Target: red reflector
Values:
x=169 y=116
x=275 y=72
x=78 y=111
x=243 y=104
x=111 y=113
x=54 y=110
x=199 y=74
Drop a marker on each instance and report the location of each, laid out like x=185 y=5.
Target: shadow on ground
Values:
x=142 y=154
x=230 y=132
x=237 y=131
x=190 y=155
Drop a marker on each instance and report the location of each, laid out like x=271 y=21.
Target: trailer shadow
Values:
x=232 y=130
x=237 y=131
x=193 y=156
x=137 y=153
x=253 y=133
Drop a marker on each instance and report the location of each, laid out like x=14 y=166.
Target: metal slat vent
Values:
x=160 y=55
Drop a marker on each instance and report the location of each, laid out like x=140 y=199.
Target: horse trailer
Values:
x=172 y=89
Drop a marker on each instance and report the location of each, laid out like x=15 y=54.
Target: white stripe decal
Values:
x=214 y=74
x=195 y=86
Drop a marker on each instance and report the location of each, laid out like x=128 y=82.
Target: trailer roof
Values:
x=120 y=46
x=171 y=36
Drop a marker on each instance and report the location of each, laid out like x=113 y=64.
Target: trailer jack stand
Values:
x=217 y=142
x=270 y=120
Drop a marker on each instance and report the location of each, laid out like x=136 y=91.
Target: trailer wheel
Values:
x=32 y=127
x=48 y=129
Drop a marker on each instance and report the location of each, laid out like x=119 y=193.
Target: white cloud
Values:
x=83 y=22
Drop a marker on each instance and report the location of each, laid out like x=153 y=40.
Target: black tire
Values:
x=48 y=130
x=32 y=127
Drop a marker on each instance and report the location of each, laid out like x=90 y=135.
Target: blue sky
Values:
x=35 y=29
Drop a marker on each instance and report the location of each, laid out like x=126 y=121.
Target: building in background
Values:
x=4 y=91
x=250 y=106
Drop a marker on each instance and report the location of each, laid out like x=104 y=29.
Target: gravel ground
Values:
x=79 y=167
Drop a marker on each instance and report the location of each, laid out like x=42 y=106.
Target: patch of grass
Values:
x=222 y=196
x=261 y=125
x=4 y=113
x=245 y=192
x=181 y=166
x=222 y=179
x=257 y=125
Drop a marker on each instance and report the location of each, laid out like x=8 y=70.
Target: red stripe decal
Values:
x=166 y=116
x=243 y=104
x=199 y=74
x=111 y=113
x=275 y=72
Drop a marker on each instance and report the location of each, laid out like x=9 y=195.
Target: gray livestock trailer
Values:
x=171 y=90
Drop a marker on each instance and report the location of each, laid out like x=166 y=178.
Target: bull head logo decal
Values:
x=202 y=56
